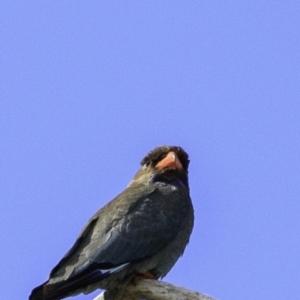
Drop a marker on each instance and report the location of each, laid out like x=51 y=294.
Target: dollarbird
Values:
x=140 y=234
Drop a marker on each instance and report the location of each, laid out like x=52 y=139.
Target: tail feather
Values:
x=38 y=292
x=73 y=285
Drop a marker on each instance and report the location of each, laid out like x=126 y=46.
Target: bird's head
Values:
x=166 y=164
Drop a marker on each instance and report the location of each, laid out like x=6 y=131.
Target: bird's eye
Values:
x=147 y=163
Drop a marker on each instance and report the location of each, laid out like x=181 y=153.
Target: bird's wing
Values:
x=129 y=229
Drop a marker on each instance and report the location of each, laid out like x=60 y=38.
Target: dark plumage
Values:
x=139 y=234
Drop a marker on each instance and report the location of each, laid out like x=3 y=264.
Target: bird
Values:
x=140 y=234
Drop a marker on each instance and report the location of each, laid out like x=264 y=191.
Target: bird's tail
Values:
x=73 y=285
x=49 y=292
x=38 y=293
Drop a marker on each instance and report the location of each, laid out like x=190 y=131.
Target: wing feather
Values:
x=130 y=228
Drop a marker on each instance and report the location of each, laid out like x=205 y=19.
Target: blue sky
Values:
x=88 y=88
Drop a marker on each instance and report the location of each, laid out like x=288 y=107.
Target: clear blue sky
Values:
x=89 y=87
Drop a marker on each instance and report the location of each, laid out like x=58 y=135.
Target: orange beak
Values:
x=170 y=161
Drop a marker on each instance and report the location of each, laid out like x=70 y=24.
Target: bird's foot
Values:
x=146 y=275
